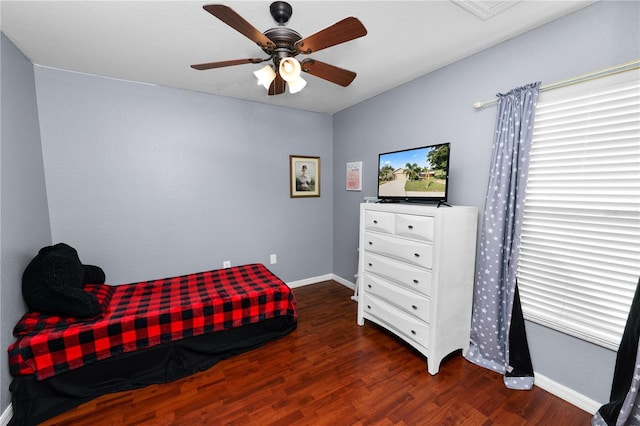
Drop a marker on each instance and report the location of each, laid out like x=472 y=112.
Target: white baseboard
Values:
x=344 y=282
x=567 y=394
x=6 y=415
x=320 y=278
x=312 y=280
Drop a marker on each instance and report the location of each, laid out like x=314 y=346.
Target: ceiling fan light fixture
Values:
x=296 y=85
x=290 y=69
x=265 y=76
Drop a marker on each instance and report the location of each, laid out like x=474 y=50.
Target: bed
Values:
x=147 y=332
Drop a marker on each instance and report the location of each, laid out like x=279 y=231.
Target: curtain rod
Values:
x=579 y=79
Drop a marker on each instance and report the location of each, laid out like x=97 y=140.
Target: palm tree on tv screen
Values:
x=412 y=171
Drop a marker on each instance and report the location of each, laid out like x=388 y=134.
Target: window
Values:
x=580 y=251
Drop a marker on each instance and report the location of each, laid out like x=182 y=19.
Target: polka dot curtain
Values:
x=494 y=326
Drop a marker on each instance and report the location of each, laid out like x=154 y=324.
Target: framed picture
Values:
x=354 y=176
x=304 y=176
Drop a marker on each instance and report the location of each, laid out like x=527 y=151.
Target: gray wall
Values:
x=149 y=182
x=438 y=108
x=24 y=219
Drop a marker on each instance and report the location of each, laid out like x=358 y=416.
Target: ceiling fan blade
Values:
x=220 y=64
x=278 y=85
x=348 y=29
x=238 y=23
x=328 y=72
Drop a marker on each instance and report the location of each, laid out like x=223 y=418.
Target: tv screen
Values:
x=415 y=174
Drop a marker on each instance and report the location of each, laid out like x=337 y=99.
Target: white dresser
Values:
x=416 y=272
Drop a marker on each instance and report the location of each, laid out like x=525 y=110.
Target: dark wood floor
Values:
x=331 y=372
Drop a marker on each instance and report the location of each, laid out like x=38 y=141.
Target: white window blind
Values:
x=580 y=251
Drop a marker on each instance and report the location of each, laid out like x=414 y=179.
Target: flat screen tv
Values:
x=415 y=174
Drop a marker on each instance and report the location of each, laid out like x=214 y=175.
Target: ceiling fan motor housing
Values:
x=285 y=39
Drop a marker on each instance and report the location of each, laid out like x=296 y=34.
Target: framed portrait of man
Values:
x=304 y=176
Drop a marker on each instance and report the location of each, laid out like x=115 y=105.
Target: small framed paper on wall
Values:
x=354 y=176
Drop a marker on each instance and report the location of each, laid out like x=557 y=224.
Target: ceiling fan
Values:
x=283 y=44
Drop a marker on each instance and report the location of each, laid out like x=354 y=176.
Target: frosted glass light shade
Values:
x=289 y=69
x=296 y=85
x=265 y=76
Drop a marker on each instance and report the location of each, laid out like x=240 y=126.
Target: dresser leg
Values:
x=433 y=367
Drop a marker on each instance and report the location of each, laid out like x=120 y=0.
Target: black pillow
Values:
x=52 y=283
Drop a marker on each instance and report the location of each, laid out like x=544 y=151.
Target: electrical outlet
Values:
x=226 y=264
x=273 y=259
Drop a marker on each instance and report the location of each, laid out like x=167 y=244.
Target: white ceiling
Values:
x=155 y=41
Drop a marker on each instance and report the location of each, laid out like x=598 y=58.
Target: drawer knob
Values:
x=416 y=254
x=370 y=264
x=414 y=281
x=410 y=226
x=375 y=222
x=370 y=243
x=368 y=306
x=413 y=332
x=369 y=285
x=414 y=307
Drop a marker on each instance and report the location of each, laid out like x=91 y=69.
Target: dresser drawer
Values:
x=412 y=303
x=408 y=326
x=416 y=253
x=379 y=221
x=412 y=277
x=412 y=226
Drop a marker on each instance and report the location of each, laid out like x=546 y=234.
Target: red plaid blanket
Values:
x=145 y=314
